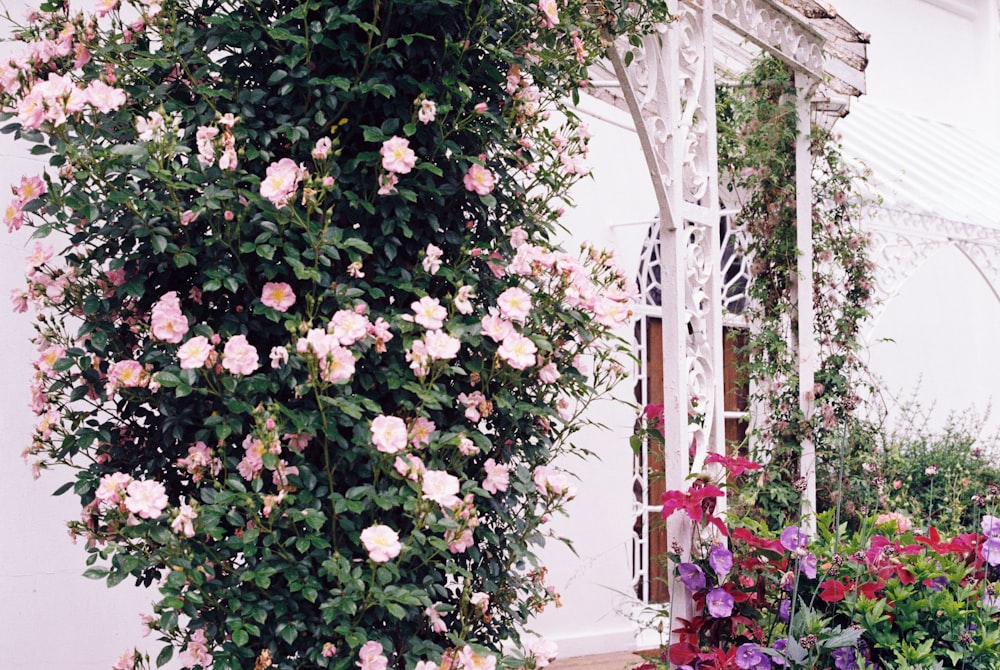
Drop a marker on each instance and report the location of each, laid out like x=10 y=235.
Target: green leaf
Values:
x=96 y=573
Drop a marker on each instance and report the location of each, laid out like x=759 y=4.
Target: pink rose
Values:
x=167 y=320
x=146 y=498
x=389 y=433
x=479 y=180
x=239 y=356
x=381 y=543
x=195 y=352
x=278 y=295
x=397 y=156
x=281 y=181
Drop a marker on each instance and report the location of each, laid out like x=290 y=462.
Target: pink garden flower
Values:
x=427 y=111
x=514 y=304
x=167 y=321
x=463 y=300
x=397 y=156
x=381 y=543
x=471 y=660
x=281 y=181
x=441 y=346
x=104 y=98
x=388 y=433
x=277 y=295
x=196 y=651
x=239 y=356
x=549 y=374
x=322 y=149
x=146 y=498
x=111 y=490
x=429 y=313
x=496 y=328
x=441 y=487
x=387 y=183
x=497 y=476
x=204 y=139
x=432 y=259
x=182 y=523
x=479 y=179
x=517 y=351
x=421 y=431
x=194 y=353
x=551 y=481
x=127 y=374
x=550 y=13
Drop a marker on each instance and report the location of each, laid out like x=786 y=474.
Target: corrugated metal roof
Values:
x=925 y=166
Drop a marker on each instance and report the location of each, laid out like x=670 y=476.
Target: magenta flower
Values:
x=719 y=603
x=691 y=576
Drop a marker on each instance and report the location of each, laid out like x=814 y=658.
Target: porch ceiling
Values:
x=790 y=29
x=923 y=166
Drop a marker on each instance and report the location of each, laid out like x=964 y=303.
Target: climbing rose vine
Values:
x=306 y=345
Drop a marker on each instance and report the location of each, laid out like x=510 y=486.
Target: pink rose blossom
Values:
x=514 y=304
x=432 y=259
x=463 y=300
x=126 y=661
x=479 y=179
x=277 y=295
x=329 y=650
x=496 y=328
x=421 y=431
x=111 y=490
x=182 y=523
x=497 y=476
x=388 y=433
x=204 y=139
x=427 y=111
x=196 y=651
x=517 y=351
x=167 y=320
x=281 y=181
x=322 y=149
x=467 y=447
x=397 y=156
x=239 y=356
x=441 y=487
x=411 y=467
x=102 y=97
x=543 y=651
x=370 y=657
x=387 y=183
x=437 y=622
x=278 y=356
x=348 y=327
x=381 y=543
x=459 y=542
x=549 y=374
x=441 y=346
x=127 y=374
x=550 y=481
x=429 y=313
x=146 y=498
x=470 y=660
x=194 y=353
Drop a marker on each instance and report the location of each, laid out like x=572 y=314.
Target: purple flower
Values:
x=719 y=603
x=750 y=657
x=721 y=560
x=991 y=525
x=808 y=563
x=785 y=611
x=780 y=645
x=691 y=576
x=845 y=659
x=793 y=537
x=990 y=551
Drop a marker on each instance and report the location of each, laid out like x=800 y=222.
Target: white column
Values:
x=807 y=346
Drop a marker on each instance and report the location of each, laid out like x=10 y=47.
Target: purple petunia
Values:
x=785 y=610
x=691 y=576
x=719 y=603
x=845 y=659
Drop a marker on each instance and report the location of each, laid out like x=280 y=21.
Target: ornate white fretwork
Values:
x=901 y=241
x=771 y=27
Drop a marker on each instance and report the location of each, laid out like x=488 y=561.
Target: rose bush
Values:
x=307 y=343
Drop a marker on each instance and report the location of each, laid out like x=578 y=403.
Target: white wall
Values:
x=612 y=210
